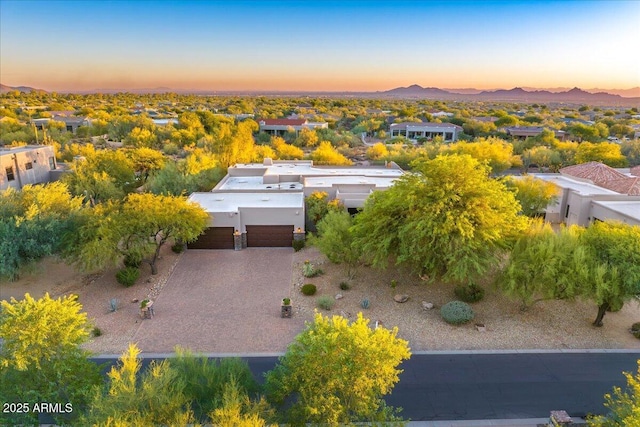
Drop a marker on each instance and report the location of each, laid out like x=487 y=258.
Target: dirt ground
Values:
x=548 y=325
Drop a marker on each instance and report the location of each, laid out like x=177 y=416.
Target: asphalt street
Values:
x=476 y=386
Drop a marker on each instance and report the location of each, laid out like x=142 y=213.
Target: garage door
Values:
x=214 y=238
x=269 y=235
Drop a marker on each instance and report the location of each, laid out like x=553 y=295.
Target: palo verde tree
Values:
x=335 y=240
x=533 y=194
x=336 y=372
x=40 y=357
x=32 y=223
x=614 y=252
x=448 y=218
x=623 y=405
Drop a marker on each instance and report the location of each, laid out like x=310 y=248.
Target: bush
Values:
x=132 y=261
x=635 y=330
x=470 y=293
x=365 y=303
x=345 y=286
x=308 y=270
x=309 y=289
x=325 y=302
x=456 y=312
x=128 y=276
x=96 y=332
x=178 y=248
x=298 y=245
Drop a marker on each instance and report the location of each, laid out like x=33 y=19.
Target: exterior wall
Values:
x=579 y=208
x=19 y=159
x=599 y=212
x=271 y=216
x=555 y=213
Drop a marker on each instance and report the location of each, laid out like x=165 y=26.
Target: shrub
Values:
x=96 y=332
x=635 y=330
x=127 y=276
x=345 y=286
x=308 y=270
x=178 y=247
x=309 y=289
x=286 y=301
x=325 y=302
x=298 y=245
x=365 y=303
x=456 y=312
x=469 y=293
x=132 y=261
x=394 y=283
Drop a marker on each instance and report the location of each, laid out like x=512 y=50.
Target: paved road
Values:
x=499 y=386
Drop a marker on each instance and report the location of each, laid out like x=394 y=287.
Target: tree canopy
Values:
x=448 y=218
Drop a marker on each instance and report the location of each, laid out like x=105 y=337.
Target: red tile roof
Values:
x=635 y=171
x=605 y=177
x=282 y=122
x=593 y=171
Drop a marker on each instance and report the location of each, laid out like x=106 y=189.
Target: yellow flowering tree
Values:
x=624 y=405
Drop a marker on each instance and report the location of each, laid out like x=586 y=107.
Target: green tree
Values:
x=545 y=265
x=146 y=161
x=32 y=224
x=336 y=240
x=237 y=410
x=631 y=150
x=533 y=194
x=40 y=357
x=614 y=249
x=448 y=218
x=624 y=405
x=336 y=372
x=317 y=205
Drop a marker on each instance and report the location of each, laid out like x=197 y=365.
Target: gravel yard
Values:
x=548 y=325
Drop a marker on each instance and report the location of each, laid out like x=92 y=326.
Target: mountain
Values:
x=26 y=89
x=416 y=91
x=573 y=95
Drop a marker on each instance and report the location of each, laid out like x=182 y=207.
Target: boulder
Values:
x=339 y=296
x=401 y=298
x=427 y=305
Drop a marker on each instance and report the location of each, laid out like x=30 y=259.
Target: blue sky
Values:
x=346 y=45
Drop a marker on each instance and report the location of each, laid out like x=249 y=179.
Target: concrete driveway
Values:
x=223 y=301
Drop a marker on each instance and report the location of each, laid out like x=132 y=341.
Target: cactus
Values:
x=113 y=304
x=365 y=303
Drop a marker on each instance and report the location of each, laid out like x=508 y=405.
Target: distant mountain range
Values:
x=622 y=97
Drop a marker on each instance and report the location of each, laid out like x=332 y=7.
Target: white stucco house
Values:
x=447 y=131
x=30 y=164
x=262 y=204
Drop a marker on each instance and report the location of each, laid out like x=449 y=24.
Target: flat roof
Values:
x=580 y=186
x=329 y=181
x=628 y=208
x=25 y=148
x=256 y=183
x=231 y=202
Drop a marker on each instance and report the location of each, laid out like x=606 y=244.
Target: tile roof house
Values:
x=524 y=132
x=594 y=192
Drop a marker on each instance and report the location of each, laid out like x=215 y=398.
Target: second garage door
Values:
x=214 y=238
x=269 y=235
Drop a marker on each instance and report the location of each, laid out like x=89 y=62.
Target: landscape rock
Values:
x=401 y=298
x=427 y=305
x=339 y=296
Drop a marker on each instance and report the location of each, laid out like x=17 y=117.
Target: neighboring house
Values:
x=594 y=192
x=71 y=123
x=447 y=131
x=440 y=113
x=484 y=119
x=279 y=127
x=524 y=132
x=30 y=164
x=262 y=204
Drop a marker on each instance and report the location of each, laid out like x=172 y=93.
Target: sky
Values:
x=318 y=45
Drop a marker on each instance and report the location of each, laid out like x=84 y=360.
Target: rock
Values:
x=401 y=298
x=427 y=305
x=339 y=296
x=480 y=327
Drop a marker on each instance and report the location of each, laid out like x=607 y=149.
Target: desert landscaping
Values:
x=547 y=325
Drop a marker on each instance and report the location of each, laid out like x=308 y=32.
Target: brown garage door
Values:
x=269 y=235
x=214 y=238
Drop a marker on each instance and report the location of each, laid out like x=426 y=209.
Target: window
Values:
x=566 y=214
x=28 y=166
x=52 y=163
x=10 y=176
